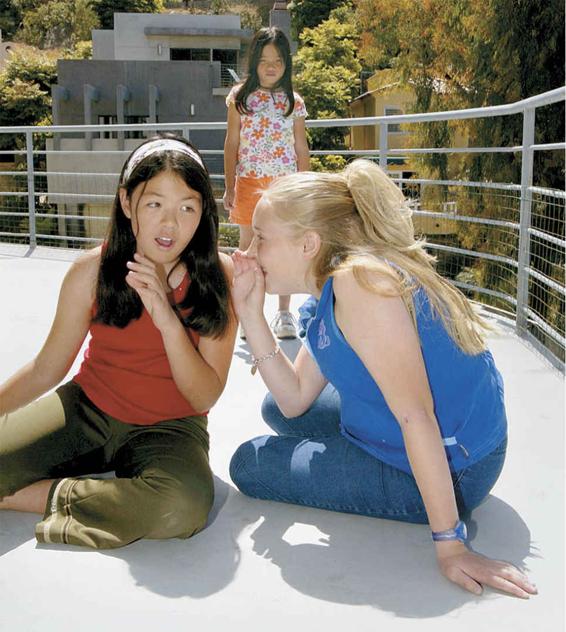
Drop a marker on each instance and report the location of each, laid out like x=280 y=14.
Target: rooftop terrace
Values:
x=267 y=565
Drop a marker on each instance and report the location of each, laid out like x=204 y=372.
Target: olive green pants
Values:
x=162 y=486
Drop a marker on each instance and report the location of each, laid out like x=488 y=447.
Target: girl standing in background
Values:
x=265 y=139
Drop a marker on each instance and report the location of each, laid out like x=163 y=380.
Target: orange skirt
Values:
x=247 y=194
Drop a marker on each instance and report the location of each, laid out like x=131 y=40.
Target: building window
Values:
x=138 y=120
x=393 y=128
x=107 y=119
x=228 y=66
x=190 y=54
x=112 y=119
x=225 y=56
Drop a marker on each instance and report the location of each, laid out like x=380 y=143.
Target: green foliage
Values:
x=327 y=73
x=228 y=236
x=81 y=50
x=10 y=17
x=219 y=6
x=25 y=86
x=25 y=5
x=58 y=23
x=250 y=16
x=31 y=67
x=466 y=53
x=310 y=13
x=22 y=103
x=105 y=9
x=459 y=54
x=327 y=163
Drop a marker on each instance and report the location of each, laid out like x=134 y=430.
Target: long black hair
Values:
x=269 y=35
x=207 y=300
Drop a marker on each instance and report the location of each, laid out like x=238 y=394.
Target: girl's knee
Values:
x=181 y=514
x=177 y=506
x=242 y=465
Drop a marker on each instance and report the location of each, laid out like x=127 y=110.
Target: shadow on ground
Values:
x=338 y=558
x=391 y=566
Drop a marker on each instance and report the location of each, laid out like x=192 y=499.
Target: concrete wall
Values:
x=102 y=44
x=180 y=83
x=282 y=19
x=132 y=43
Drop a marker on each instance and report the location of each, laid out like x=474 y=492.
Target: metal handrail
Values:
x=521 y=266
x=518 y=107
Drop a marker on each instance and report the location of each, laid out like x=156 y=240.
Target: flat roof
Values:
x=267 y=565
x=245 y=34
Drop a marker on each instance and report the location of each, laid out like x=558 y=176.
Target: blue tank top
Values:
x=467 y=390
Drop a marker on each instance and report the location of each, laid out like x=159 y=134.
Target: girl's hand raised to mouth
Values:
x=144 y=279
x=248 y=288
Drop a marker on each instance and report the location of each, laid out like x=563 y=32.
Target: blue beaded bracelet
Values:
x=459 y=532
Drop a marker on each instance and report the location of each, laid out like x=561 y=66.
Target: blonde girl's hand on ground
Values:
x=143 y=278
x=248 y=288
x=473 y=571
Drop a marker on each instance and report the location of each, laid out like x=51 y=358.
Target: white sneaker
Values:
x=284 y=325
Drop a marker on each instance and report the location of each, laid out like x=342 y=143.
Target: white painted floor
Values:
x=266 y=566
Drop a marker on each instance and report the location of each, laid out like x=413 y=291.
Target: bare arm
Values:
x=231 y=144
x=301 y=144
x=199 y=374
x=384 y=337
x=68 y=331
x=293 y=386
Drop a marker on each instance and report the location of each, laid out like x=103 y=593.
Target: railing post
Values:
x=383 y=146
x=31 y=189
x=527 y=156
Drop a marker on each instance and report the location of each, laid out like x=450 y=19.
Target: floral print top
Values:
x=267 y=140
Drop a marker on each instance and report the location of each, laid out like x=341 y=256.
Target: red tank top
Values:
x=126 y=373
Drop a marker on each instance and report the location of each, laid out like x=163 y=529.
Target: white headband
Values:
x=161 y=144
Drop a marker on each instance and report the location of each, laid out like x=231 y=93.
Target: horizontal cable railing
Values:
x=501 y=243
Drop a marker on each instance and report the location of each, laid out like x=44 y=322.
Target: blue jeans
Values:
x=310 y=463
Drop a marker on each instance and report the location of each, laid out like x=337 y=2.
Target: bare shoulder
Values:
x=233 y=114
x=83 y=274
x=369 y=307
x=366 y=283
x=227 y=266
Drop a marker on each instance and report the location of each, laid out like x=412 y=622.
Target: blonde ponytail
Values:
x=365 y=225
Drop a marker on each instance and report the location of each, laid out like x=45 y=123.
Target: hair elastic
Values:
x=160 y=144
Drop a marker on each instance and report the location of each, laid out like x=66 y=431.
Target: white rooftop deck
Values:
x=262 y=565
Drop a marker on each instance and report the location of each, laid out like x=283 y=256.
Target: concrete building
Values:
x=151 y=68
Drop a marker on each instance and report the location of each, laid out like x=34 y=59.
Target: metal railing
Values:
x=501 y=243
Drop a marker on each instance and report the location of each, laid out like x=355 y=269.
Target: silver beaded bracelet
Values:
x=257 y=361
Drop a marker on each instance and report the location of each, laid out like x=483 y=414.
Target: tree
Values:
x=473 y=53
x=31 y=67
x=219 y=6
x=22 y=103
x=25 y=87
x=10 y=17
x=310 y=13
x=105 y=9
x=59 y=23
x=327 y=73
